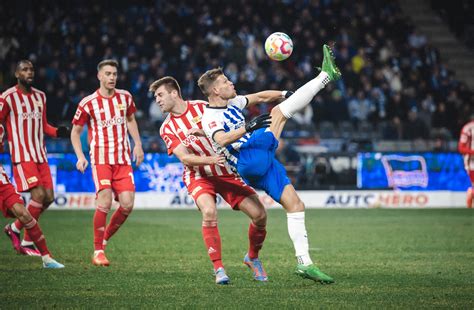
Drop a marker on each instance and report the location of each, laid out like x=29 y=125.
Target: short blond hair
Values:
x=169 y=82
x=207 y=79
x=107 y=62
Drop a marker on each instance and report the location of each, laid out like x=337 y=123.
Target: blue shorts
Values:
x=258 y=166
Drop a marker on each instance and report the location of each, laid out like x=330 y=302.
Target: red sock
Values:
x=212 y=239
x=118 y=218
x=36 y=235
x=35 y=208
x=256 y=238
x=100 y=220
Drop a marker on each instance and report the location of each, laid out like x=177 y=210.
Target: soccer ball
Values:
x=278 y=46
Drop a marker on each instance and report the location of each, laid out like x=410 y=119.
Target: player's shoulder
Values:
x=198 y=102
x=238 y=100
x=165 y=125
x=123 y=92
x=8 y=92
x=38 y=91
x=88 y=99
x=468 y=127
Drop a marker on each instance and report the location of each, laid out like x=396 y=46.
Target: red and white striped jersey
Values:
x=106 y=118
x=466 y=145
x=174 y=132
x=25 y=117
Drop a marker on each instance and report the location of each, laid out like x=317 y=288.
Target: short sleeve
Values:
x=171 y=141
x=131 y=107
x=81 y=117
x=212 y=123
x=239 y=102
x=4 y=109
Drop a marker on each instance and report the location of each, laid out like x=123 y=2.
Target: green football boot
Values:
x=329 y=65
x=312 y=272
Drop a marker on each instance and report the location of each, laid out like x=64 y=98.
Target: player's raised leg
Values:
x=297 y=230
x=257 y=233
x=303 y=95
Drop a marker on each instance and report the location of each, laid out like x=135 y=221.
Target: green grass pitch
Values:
x=379 y=259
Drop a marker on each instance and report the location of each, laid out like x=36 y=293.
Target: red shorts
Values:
x=231 y=188
x=29 y=174
x=117 y=177
x=9 y=197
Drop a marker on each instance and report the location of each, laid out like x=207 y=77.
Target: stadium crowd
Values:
x=393 y=79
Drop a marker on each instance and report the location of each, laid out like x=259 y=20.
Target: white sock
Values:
x=14 y=228
x=97 y=252
x=104 y=242
x=27 y=243
x=303 y=95
x=297 y=232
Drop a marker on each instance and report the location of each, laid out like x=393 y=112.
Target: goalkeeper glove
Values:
x=261 y=121
x=63 y=132
x=287 y=93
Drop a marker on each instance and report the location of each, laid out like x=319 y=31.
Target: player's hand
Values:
x=219 y=160
x=196 y=132
x=82 y=164
x=261 y=121
x=138 y=155
x=63 y=132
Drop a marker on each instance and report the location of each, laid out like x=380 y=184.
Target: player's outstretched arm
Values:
x=132 y=126
x=225 y=138
x=190 y=159
x=267 y=96
x=82 y=163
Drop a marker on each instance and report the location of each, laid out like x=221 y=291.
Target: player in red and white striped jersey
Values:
x=23 y=109
x=12 y=205
x=109 y=115
x=466 y=147
x=207 y=174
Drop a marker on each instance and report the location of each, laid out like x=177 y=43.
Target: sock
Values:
x=212 y=240
x=303 y=95
x=35 y=208
x=100 y=220
x=256 y=237
x=118 y=218
x=37 y=236
x=297 y=232
x=15 y=228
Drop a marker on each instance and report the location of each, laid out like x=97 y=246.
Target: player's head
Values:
x=166 y=92
x=107 y=73
x=214 y=83
x=25 y=72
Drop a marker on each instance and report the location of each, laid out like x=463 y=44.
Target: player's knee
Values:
x=209 y=213
x=126 y=200
x=22 y=214
x=39 y=195
x=260 y=218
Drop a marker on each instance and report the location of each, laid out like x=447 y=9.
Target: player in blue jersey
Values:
x=250 y=147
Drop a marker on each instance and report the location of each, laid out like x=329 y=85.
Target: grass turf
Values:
x=379 y=259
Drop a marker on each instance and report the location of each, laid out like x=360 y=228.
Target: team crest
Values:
x=121 y=106
x=197 y=120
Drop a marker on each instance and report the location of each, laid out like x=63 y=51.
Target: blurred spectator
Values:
x=414 y=128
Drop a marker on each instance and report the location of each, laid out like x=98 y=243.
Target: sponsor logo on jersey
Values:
x=116 y=121
x=30 y=115
x=189 y=140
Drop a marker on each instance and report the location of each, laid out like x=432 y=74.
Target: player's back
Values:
x=174 y=131
x=25 y=125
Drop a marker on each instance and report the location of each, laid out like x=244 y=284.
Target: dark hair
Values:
x=169 y=82
x=207 y=79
